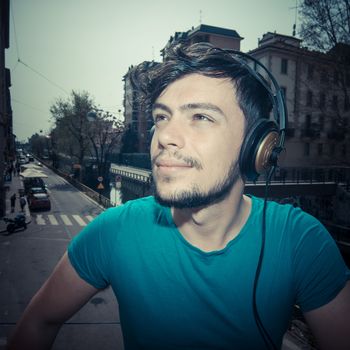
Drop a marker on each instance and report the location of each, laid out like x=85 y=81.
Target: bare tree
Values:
x=104 y=131
x=325 y=23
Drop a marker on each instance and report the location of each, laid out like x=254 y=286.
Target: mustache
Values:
x=176 y=155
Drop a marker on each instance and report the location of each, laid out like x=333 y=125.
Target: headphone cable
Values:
x=263 y=332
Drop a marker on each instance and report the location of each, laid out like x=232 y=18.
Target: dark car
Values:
x=33 y=190
x=39 y=200
x=33 y=183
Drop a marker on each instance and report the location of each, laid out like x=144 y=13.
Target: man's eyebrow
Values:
x=199 y=105
x=161 y=106
x=206 y=106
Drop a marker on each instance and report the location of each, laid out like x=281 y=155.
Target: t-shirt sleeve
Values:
x=89 y=252
x=320 y=270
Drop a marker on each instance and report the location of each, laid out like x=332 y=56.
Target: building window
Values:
x=332 y=149
x=347 y=79
x=284 y=66
x=309 y=98
x=336 y=77
x=321 y=122
x=306 y=149
x=324 y=76
x=308 y=121
x=335 y=102
x=343 y=149
x=322 y=100
x=346 y=103
x=320 y=149
x=310 y=71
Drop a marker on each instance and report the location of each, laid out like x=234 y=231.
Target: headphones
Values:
x=265 y=138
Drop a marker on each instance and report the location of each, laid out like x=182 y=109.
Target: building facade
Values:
x=137 y=122
x=6 y=133
x=316 y=88
x=217 y=36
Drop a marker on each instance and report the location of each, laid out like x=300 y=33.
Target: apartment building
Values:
x=317 y=88
x=6 y=134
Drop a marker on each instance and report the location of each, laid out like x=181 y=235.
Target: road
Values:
x=28 y=257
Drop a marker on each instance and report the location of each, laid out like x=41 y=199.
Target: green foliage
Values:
x=71 y=124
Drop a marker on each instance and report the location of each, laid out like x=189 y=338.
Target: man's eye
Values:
x=201 y=117
x=159 y=118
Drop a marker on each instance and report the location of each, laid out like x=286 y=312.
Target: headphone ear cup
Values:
x=257 y=150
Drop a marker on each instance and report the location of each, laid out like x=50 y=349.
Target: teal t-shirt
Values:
x=173 y=295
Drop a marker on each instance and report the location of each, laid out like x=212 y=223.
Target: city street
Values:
x=28 y=257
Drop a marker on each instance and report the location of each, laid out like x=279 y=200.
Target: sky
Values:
x=88 y=45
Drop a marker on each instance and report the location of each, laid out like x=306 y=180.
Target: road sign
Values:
x=100 y=179
x=100 y=186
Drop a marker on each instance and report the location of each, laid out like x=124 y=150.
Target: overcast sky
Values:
x=90 y=44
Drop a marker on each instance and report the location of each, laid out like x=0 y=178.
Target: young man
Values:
x=183 y=263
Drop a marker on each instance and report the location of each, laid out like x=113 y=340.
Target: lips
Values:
x=171 y=165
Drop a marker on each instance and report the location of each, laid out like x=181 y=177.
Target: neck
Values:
x=212 y=227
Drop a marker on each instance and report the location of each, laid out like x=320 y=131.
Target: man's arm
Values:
x=330 y=323
x=63 y=294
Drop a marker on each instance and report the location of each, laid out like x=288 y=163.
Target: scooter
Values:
x=18 y=222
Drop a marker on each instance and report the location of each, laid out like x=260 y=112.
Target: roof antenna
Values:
x=200 y=17
x=296 y=16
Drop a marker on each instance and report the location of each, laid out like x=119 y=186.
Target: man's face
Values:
x=196 y=144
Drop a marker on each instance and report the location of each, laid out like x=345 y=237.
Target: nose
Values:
x=170 y=134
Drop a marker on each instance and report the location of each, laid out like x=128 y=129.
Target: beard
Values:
x=195 y=197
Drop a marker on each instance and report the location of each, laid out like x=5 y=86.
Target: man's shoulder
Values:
x=141 y=208
x=287 y=215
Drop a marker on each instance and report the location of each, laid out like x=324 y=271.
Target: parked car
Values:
x=39 y=200
x=35 y=182
x=34 y=190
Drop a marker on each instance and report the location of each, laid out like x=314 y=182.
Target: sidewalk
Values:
x=14 y=186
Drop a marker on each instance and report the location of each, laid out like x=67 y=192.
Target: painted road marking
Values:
x=66 y=220
x=52 y=220
x=40 y=220
x=79 y=220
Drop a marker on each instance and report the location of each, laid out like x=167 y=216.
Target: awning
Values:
x=30 y=173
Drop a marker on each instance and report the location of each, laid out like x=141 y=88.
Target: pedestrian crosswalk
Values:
x=62 y=219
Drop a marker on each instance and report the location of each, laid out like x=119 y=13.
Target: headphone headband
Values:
x=277 y=98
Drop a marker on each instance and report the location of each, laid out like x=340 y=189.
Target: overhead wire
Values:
x=43 y=76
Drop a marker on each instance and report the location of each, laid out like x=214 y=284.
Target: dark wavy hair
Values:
x=181 y=59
